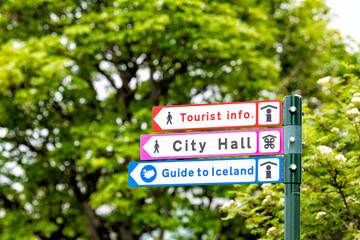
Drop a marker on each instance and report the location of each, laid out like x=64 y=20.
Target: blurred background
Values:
x=78 y=80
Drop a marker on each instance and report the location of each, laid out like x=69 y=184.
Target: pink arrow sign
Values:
x=217 y=115
x=212 y=144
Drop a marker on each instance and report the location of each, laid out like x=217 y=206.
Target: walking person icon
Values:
x=156 y=147
x=169 y=117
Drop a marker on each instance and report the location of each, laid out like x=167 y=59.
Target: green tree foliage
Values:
x=330 y=187
x=77 y=83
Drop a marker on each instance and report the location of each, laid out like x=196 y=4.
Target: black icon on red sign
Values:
x=268 y=112
x=169 y=117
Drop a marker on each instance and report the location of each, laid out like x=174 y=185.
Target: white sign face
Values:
x=269 y=169
x=202 y=172
x=222 y=115
x=210 y=144
x=269 y=113
x=269 y=141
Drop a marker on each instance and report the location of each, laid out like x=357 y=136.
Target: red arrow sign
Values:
x=217 y=115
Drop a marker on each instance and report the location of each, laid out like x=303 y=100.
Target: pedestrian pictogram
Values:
x=156 y=147
x=169 y=117
x=211 y=144
x=270 y=141
x=216 y=115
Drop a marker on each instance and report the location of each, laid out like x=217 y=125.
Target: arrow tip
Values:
x=155 y=126
x=131 y=180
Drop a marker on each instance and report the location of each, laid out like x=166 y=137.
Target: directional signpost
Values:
x=212 y=144
x=217 y=115
x=205 y=172
x=270 y=141
x=292 y=165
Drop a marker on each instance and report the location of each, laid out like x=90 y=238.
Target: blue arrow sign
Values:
x=205 y=172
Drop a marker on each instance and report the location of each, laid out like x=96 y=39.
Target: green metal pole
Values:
x=292 y=121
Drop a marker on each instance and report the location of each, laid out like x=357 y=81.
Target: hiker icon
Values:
x=156 y=147
x=169 y=117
